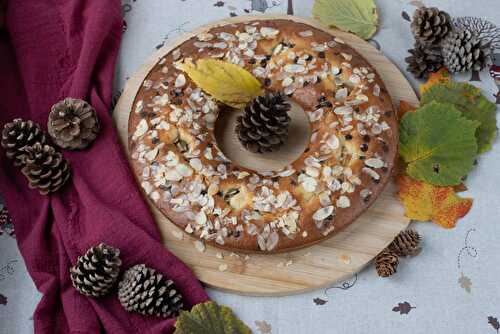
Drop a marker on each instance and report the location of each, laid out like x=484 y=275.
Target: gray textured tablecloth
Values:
x=433 y=283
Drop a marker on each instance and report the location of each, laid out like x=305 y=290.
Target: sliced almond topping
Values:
x=374 y=163
x=323 y=213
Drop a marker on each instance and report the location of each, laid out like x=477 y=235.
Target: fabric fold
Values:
x=68 y=48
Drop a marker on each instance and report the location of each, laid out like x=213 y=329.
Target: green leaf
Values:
x=210 y=318
x=438 y=144
x=357 y=16
x=473 y=105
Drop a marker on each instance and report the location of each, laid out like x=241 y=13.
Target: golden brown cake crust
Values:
x=347 y=164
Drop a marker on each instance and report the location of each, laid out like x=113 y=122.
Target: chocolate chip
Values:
x=267 y=82
x=366 y=138
x=348 y=137
x=308 y=57
x=296 y=60
x=321 y=54
x=252 y=61
x=263 y=63
x=363 y=147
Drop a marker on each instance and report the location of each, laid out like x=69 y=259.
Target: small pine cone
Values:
x=96 y=272
x=45 y=168
x=430 y=25
x=6 y=222
x=73 y=124
x=406 y=243
x=464 y=51
x=264 y=124
x=386 y=263
x=18 y=134
x=424 y=60
x=147 y=292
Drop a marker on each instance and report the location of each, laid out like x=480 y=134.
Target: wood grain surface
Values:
x=314 y=267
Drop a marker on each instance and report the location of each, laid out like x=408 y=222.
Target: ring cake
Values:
x=347 y=162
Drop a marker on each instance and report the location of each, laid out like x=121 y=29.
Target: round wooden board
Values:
x=313 y=267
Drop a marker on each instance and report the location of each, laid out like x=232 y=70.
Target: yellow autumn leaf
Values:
x=424 y=202
x=225 y=82
x=440 y=77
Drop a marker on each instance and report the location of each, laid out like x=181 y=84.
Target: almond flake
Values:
x=269 y=32
x=343 y=202
x=287 y=82
x=180 y=81
x=294 y=68
x=205 y=37
x=141 y=129
x=373 y=174
x=196 y=164
x=311 y=171
x=323 y=213
x=189 y=229
x=374 y=163
x=306 y=33
x=347 y=56
x=333 y=142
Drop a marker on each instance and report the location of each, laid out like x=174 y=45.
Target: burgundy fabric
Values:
x=67 y=48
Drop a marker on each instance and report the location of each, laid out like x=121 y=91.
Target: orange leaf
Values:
x=439 y=77
x=405 y=107
x=460 y=188
x=423 y=201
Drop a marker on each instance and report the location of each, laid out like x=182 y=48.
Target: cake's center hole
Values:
x=297 y=142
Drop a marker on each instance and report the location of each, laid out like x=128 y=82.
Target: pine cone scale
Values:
x=264 y=124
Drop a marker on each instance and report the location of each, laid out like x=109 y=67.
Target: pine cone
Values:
x=46 y=169
x=18 y=134
x=73 y=124
x=147 y=292
x=264 y=124
x=464 y=51
x=6 y=222
x=406 y=243
x=386 y=263
x=430 y=25
x=96 y=272
x=424 y=60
